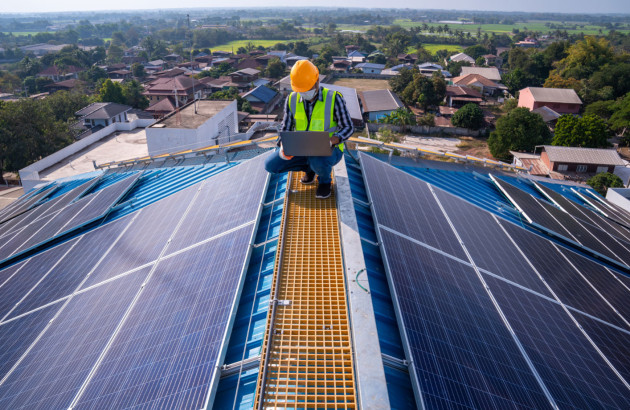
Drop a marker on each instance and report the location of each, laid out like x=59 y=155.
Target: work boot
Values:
x=323 y=191
x=308 y=178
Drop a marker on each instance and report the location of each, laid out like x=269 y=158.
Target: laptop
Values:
x=306 y=143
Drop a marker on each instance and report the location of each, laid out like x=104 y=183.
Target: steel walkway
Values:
x=307 y=350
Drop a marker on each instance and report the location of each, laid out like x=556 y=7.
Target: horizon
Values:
x=610 y=7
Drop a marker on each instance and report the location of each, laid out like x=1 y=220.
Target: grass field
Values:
x=21 y=33
x=432 y=48
x=362 y=84
x=243 y=43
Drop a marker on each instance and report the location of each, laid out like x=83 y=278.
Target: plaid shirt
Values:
x=341 y=116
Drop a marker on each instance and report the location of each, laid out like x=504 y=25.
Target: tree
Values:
x=469 y=116
x=518 y=130
x=137 y=70
x=402 y=117
x=301 y=49
x=399 y=82
x=604 y=180
x=114 y=53
x=132 y=93
x=620 y=118
x=516 y=80
x=111 y=92
x=590 y=131
x=275 y=68
x=476 y=51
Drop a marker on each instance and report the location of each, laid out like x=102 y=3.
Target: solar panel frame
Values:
x=30 y=202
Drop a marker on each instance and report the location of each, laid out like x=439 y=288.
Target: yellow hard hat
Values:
x=304 y=75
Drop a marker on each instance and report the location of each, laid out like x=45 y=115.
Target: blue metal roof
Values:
x=262 y=93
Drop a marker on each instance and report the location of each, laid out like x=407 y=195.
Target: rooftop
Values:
x=206 y=109
x=380 y=100
x=583 y=155
x=556 y=95
x=491 y=73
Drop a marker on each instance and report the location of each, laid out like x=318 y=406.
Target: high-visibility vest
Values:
x=322 y=117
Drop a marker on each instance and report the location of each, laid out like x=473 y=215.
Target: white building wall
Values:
x=620 y=197
x=217 y=129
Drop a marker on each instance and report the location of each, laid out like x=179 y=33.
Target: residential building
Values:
x=263 y=99
x=427 y=69
x=493 y=60
x=370 y=68
x=561 y=100
x=353 y=103
x=198 y=124
x=457 y=96
x=407 y=58
x=162 y=107
x=66 y=85
x=356 y=57
x=284 y=85
x=580 y=160
x=462 y=57
x=246 y=75
x=102 y=114
x=120 y=75
x=291 y=60
x=549 y=116
x=181 y=86
x=480 y=83
x=59 y=74
x=43 y=48
x=379 y=103
x=173 y=59
x=491 y=73
x=342 y=66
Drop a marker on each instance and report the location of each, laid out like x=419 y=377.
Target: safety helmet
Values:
x=304 y=75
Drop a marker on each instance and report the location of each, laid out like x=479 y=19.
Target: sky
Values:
x=563 y=6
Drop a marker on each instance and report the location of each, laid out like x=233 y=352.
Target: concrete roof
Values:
x=576 y=155
x=206 y=109
x=491 y=73
x=380 y=100
x=556 y=95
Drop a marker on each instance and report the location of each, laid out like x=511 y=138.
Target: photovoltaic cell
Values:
x=24 y=206
x=35 y=269
x=166 y=353
x=405 y=204
x=576 y=375
x=66 y=276
x=464 y=356
x=226 y=201
x=51 y=374
x=560 y=222
x=74 y=215
x=7 y=273
x=17 y=335
x=487 y=244
x=585 y=214
x=562 y=277
x=144 y=240
x=611 y=341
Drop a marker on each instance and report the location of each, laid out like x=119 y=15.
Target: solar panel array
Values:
x=492 y=314
x=133 y=313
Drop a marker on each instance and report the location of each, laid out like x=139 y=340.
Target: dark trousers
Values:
x=322 y=166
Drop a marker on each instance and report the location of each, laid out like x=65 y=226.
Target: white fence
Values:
x=29 y=176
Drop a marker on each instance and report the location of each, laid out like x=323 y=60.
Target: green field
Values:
x=432 y=48
x=21 y=33
x=243 y=43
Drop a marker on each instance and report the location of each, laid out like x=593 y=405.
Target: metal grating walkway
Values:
x=307 y=359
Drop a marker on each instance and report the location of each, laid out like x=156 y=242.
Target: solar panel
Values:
x=528 y=322
x=26 y=204
x=609 y=209
x=226 y=201
x=85 y=210
x=166 y=353
x=585 y=214
x=52 y=372
x=552 y=218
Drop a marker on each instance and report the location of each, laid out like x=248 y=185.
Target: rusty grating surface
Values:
x=309 y=361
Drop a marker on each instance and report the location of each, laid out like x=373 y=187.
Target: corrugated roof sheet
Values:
x=577 y=155
x=557 y=95
x=380 y=100
x=491 y=73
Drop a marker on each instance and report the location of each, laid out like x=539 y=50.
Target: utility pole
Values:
x=192 y=77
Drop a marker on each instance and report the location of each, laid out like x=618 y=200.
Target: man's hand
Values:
x=334 y=140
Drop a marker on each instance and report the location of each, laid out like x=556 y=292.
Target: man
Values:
x=305 y=110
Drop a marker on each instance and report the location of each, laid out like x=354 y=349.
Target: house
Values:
x=59 y=74
x=356 y=57
x=43 y=48
x=264 y=60
x=407 y=58
x=102 y=114
x=580 y=160
x=458 y=96
x=196 y=125
x=493 y=60
x=341 y=66
x=549 y=116
x=246 y=75
x=204 y=60
x=561 y=100
x=284 y=85
x=248 y=63
x=119 y=75
x=155 y=65
x=528 y=42
x=162 y=107
x=481 y=83
x=353 y=103
x=427 y=69
x=374 y=54
x=221 y=53
x=379 y=103
x=173 y=59
x=461 y=57
x=116 y=67
x=351 y=48
x=370 y=68
x=263 y=99
x=180 y=86
x=491 y=73
x=66 y=85
x=291 y=60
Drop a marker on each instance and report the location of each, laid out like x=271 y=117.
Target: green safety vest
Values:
x=322 y=117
